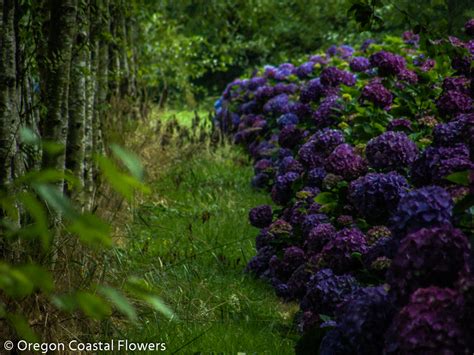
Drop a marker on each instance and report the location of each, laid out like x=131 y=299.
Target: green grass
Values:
x=185 y=118
x=191 y=241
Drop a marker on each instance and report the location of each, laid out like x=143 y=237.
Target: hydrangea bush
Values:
x=368 y=153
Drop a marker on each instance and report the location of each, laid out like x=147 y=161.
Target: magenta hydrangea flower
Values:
x=391 y=150
x=261 y=216
x=428 y=324
x=424 y=207
x=345 y=162
x=428 y=257
x=376 y=195
x=337 y=254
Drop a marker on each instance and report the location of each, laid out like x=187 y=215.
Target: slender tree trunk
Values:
x=75 y=152
x=9 y=115
x=55 y=81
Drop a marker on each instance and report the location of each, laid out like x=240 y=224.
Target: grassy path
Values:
x=191 y=241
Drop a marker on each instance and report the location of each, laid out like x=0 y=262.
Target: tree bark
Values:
x=75 y=152
x=9 y=115
x=55 y=80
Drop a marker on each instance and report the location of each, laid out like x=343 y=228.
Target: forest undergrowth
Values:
x=190 y=240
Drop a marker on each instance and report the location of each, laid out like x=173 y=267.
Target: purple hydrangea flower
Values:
x=261 y=180
x=337 y=253
x=375 y=195
x=260 y=216
x=259 y=263
x=387 y=63
x=326 y=140
x=411 y=38
x=325 y=291
x=305 y=70
x=263 y=165
x=366 y=44
x=459 y=130
x=456 y=83
x=408 y=76
x=290 y=164
x=333 y=77
x=428 y=324
x=287 y=119
x=313 y=90
x=277 y=105
x=345 y=162
x=424 y=207
x=428 y=257
x=282 y=190
x=298 y=281
x=376 y=93
x=435 y=163
x=327 y=110
x=454 y=102
x=318 y=59
x=316 y=177
x=391 y=150
x=290 y=136
x=469 y=27
x=364 y=318
x=399 y=124
x=308 y=155
x=312 y=220
x=318 y=237
x=359 y=64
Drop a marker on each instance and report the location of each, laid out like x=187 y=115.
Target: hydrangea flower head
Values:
x=337 y=253
x=391 y=151
x=345 y=162
x=375 y=195
x=261 y=216
x=424 y=207
x=376 y=93
x=359 y=64
x=428 y=257
x=428 y=324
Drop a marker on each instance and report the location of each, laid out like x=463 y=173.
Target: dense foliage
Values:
x=368 y=152
x=194 y=47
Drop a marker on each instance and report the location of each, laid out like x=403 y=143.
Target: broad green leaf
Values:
x=56 y=199
x=91 y=230
x=41 y=278
x=130 y=160
x=324 y=198
x=93 y=306
x=120 y=302
x=159 y=305
x=14 y=282
x=460 y=178
x=22 y=328
x=37 y=212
